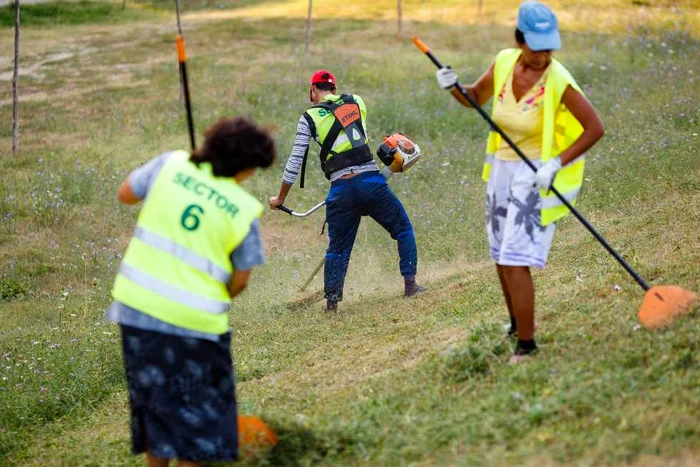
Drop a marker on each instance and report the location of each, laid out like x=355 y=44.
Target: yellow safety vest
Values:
x=338 y=125
x=560 y=130
x=178 y=262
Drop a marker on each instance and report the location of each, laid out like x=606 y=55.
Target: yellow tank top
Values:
x=522 y=121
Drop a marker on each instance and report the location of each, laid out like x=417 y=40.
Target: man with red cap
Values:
x=337 y=123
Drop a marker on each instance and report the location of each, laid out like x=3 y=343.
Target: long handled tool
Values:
x=301 y=214
x=253 y=432
x=662 y=303
x=306 y=214
x=182 y=59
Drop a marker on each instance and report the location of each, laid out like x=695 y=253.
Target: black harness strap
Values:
x=303 y=168
x=334 y=131
x=312 y=128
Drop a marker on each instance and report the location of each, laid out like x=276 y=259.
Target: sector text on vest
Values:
x=205 y=191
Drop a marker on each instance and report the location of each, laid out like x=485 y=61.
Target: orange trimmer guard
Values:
x=254 y=434
x=663 y=303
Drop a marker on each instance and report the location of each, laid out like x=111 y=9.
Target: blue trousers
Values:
x=366 y=194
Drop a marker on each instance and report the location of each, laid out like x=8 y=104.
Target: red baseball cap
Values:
x=322 y=76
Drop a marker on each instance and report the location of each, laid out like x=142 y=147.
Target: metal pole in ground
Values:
x=398 y=15
x=308 y=28
x=15 y=91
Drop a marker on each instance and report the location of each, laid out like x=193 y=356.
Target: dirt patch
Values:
x=42 y=96
x=34 y=70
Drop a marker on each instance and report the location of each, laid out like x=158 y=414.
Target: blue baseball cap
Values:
x=539 y=26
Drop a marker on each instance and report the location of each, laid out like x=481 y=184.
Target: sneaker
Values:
x=523 y=351
x=331 y=306
x=411 y=289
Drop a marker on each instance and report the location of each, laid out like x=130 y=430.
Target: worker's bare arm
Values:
x=481 y=91
x=277 y=201
x=238 y=282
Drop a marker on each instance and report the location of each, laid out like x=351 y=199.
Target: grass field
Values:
x=388 y=381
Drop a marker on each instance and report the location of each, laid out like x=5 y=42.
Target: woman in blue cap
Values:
x=538 y=104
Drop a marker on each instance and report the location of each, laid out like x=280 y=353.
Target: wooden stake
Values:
x=308 y=28
x=15 y=91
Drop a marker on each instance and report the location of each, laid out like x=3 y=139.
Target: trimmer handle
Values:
x=386 y=172
x=291 y=212
x=284 y=208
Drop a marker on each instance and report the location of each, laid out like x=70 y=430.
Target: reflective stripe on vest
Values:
x=553 y=202
x=560 y=130
x=177 y=265
x=340 y=142
x=163 y=288
x=183 y=254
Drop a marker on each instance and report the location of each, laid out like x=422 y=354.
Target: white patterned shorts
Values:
x=513 y=216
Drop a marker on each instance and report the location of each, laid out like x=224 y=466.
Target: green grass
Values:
x=188 y=5
x=67 y=13
x=387 y=381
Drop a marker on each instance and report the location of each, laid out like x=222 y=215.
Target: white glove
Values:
x=446 y=77
x=545 y=174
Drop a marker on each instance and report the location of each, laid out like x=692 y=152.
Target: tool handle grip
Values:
x=284 y=208
x=424 y=48
x=420 y=44
x=181 y=56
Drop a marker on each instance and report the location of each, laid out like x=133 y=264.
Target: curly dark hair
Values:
x=233 y=145
x=519 y=36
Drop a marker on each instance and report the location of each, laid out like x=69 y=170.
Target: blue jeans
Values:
x=366 y=194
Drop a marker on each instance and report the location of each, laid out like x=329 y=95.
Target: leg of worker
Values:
x=521 y=290
x=497 y=198
x=343 y=221
x=152 y=461
x=525 y=243
x=139 y=394
x=383 y=206
x=186 y=463
x=509 y=301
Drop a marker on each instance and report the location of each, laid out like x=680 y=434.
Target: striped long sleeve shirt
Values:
x=301 y=143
